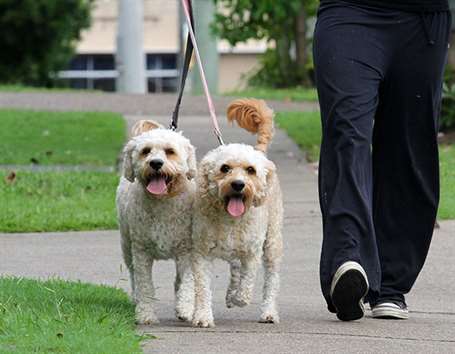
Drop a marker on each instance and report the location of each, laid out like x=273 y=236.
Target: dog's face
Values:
x=161 y=160
x=235 y=177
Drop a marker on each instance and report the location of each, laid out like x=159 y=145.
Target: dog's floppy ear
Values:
x=144 y=125
x=202 y=177
x=191 y=161
x=254 y=116
x=270 y=169
x=128 y=169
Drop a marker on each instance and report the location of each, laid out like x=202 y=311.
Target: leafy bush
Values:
x=283 y=24
x=448 y=107
x=271 y=74
x=38 y=38
x=448 y=100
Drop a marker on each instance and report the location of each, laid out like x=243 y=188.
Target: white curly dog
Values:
x=238 y=217
x=154 y=203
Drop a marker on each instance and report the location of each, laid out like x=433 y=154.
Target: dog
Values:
x=238 y=217
x=154 y=204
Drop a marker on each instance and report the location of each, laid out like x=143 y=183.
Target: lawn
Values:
x=305 y=130
x=69 y=138
x=57 y=316
x=447 y=205
x=57 y=201
x=298 y=94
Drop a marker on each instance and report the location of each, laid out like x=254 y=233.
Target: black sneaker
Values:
x=349 y=287
x=392 y=310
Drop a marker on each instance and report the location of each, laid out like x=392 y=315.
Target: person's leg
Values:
x=349 y=63
x=405 y=151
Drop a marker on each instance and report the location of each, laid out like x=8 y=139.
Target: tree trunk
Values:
x=300 y=45
x=283 y=47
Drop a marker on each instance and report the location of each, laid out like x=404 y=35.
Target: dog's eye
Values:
x=251 y=170
x=225 y=169
x=169 y=151
x=145 y=151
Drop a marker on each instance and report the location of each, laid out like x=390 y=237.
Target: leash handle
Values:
x=187 y=9
x=185 y=69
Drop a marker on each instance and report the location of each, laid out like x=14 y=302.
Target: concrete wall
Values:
x=232 y=69
x=160 y=27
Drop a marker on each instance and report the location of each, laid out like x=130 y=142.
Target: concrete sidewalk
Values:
x=158 y=104
x=306 y=326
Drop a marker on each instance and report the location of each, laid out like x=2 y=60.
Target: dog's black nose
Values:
x=237 y=185
x=156 y=164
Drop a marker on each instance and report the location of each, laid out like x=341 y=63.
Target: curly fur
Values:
x=240 y=241
x=254 y=116
x=157 y=227
x=144 y=125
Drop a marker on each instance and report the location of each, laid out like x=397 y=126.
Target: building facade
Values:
x=93 y=67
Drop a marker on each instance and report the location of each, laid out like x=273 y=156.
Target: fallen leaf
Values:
x=11 y=178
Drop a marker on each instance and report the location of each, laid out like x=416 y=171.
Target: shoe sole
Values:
x=389 y=314
x=349 y=287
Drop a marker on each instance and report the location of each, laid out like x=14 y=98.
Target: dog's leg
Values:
x=184 y=290
x=269 y=311
x=234 y=282
x=203 y=316
x=273 y=249
x=248 y=270
x=144 y=290
x=128 y=259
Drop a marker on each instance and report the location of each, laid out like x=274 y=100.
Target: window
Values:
x=97 y=71
x=103 y=62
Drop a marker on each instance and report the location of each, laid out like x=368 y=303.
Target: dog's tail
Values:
x=254 y=116
x=144 y=125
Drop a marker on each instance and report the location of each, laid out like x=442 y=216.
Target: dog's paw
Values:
x=184 y=315
x=229 y=303
x=240 y=300
x=203 y=321
x=270 y=317
x=145 y=315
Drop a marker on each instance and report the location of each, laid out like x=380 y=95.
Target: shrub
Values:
x=283 y=25
x=448 y=100
x=448 y=107
x=38 y=38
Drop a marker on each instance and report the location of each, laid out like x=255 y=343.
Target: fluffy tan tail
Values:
x=144 y=125
x=254 y=116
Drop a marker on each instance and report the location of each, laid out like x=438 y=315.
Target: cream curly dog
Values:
x=238 y=217
x=154 y=202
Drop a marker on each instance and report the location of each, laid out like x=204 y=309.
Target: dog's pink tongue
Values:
x=236 y=207
x=157 y=186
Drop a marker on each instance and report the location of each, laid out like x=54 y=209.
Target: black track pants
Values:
x=379 y=78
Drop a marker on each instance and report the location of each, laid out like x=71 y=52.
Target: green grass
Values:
x=447 y=204
x=58 y=201
x=305 y=130
x=298 y=94
x=57 y=316
x=71 y=138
